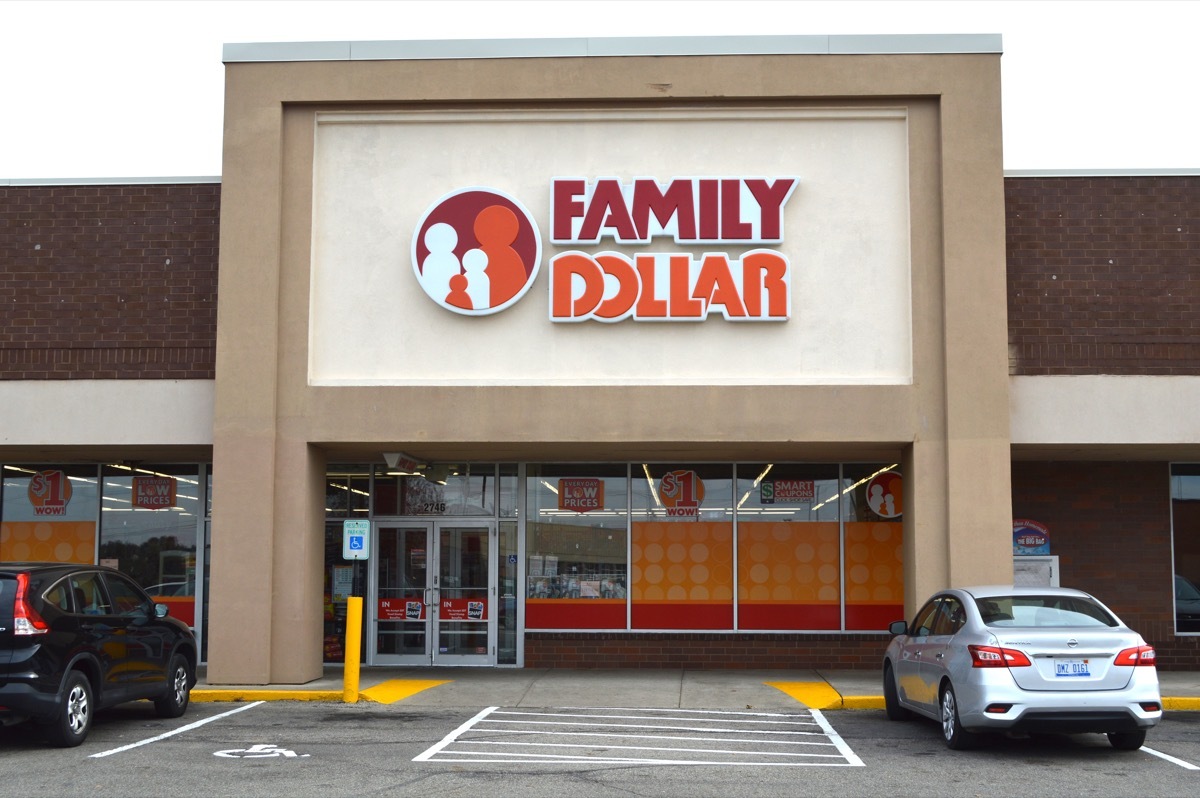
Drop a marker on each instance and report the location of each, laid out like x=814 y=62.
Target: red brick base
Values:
x=703 y=650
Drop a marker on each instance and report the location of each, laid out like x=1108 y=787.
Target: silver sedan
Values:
x=1022 y=659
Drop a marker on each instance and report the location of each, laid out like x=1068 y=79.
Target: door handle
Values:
x=425 y=599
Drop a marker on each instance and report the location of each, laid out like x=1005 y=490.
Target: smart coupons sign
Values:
x=477 y=251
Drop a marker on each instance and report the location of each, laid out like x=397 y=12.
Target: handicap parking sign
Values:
x=356 y=540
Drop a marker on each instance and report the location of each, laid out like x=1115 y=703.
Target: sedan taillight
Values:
x=997 y=657
x=26 y=620
x=1142 y=655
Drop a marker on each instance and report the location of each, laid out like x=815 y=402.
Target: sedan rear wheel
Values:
x=956 y=737
x=1127 y=741
x=891 y=696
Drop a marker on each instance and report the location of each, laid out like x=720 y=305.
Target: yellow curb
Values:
x=387 y=692
x=1190 y=704
x=862 y=702
x=254 y=694
x=394 y=690
x=814 y=695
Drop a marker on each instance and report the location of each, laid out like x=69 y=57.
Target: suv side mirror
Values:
x=161 y=610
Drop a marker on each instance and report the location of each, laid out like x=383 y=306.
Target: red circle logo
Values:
x=885 y=495
x=476 y=251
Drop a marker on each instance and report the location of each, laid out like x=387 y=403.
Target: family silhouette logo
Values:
x=476 y=251
x=885 y=495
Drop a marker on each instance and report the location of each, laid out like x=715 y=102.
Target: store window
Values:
x=49 y=513
x=437 y=489
x=789 y=547
x=1185 y=541
x=576 y=567
x=681 y=562
x=347 y=496
x=347 y=491
x=151 y=519
x=873 y=568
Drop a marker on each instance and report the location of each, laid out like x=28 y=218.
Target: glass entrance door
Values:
x=435 y=588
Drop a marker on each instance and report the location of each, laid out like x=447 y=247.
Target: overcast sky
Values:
x=134 y=89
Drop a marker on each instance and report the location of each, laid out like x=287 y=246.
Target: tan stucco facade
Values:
x=947 y=421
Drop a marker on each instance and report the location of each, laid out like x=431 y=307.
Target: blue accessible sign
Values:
x=356 y=540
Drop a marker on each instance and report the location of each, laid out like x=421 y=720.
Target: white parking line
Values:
x=490 y=738
x=452 y=736
x=172 y=733
x=1171 y=759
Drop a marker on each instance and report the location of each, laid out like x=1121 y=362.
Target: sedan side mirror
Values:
x=161 y=610
x=898 y=628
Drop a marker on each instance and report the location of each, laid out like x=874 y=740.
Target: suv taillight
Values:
x=26 y=620
x=1142 y=655
x=997 y=657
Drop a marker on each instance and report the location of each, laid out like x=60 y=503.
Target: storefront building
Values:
x=601 y=353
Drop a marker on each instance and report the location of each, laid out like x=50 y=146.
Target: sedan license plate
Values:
x=1071 y=667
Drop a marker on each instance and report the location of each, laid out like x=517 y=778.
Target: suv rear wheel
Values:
x=70 y=726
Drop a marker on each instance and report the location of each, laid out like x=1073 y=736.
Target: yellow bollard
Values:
x=353 y=644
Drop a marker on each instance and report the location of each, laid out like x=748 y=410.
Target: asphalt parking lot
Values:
x=648 y=736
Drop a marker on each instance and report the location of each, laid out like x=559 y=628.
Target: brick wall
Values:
x=119 y=281
x=108 y=281
x=703 y=650
x=1103 y=275
x=1110 y=525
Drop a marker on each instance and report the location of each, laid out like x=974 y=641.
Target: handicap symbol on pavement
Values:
x=257 y=751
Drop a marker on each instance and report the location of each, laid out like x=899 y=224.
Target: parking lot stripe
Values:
x=452 y=736
x=624 y=736
x=173 y=732
x=651 y=726
x=647 y=748
x=837 y=740
x=1171 y=759
x=724 y=717
x=665 y=737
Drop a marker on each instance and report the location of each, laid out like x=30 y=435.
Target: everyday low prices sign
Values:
x=581 y=494
x=154 y=493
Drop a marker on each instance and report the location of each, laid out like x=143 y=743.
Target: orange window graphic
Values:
x=874 y=574
x=48 y=541
x=788 y=575
x=681 y=575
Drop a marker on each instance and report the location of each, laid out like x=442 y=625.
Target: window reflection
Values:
x=576 y=569
x=1185 y=539
x=149 y=522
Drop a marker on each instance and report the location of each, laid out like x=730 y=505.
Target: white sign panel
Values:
x=472 y=237
x=356 y=540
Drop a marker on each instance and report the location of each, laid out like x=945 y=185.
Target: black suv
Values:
x=77 y=638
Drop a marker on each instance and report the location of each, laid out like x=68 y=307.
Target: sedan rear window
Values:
x=1042 y=612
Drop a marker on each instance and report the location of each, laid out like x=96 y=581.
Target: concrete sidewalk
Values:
x=552 y=687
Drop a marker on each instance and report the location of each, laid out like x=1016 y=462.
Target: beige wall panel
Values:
x=947 y=404
x=110 y=413
x=978 y=485
x=845 y=234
